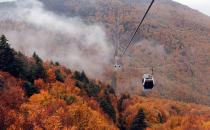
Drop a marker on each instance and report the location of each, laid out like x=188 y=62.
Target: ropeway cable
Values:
x=137 y=28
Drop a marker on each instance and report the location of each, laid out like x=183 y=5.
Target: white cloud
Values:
x=201 y=5
x=68 y=40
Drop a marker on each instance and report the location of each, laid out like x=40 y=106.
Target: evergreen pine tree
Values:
x=59 y=76
x=6 y=55
x=30 y=89
x=139 y=122
x=38 y=69
x=81 y=76
x=11 y=61
x=107 y=107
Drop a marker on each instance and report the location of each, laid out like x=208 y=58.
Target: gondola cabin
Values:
x=148 y=81
x=117 y=66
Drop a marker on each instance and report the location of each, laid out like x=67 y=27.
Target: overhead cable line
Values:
x=137 y=28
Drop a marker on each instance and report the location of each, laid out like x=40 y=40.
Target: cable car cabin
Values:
x=117 y=66
x=148 y=81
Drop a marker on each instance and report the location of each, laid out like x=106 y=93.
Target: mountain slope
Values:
x=64 y=104
x=174 y=39
x=50 y=96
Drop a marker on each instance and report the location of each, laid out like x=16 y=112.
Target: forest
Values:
x=44 y=95
x=57 y=57
x=174 y=39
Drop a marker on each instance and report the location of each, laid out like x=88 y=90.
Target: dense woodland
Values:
x=44 y=95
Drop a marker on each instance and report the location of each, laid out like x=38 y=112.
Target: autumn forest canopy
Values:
x=56 y=66
x=45 y=95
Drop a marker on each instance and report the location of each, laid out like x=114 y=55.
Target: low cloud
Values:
x=70 y=41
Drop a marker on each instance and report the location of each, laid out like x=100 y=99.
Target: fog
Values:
x=68 y=40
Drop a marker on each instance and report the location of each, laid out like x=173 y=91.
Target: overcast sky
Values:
x=6 y=0
x=201 y=5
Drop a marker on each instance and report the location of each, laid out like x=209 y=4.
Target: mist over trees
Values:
x=38 y=93
x=35 y=94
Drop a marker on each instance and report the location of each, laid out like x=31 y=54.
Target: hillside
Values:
x=174 y=39
x=44 y=95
